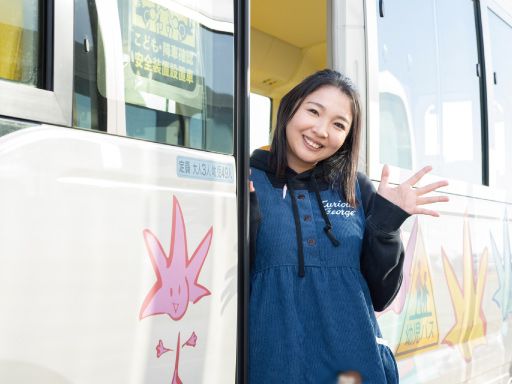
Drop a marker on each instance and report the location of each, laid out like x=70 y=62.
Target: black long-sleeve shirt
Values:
x=382 y=253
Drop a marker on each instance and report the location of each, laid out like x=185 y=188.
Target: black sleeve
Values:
x=382 y=255
x=254 y=223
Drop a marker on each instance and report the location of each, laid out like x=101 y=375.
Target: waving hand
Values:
x=408 y=198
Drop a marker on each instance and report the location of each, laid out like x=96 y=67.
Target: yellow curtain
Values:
x=11 y=33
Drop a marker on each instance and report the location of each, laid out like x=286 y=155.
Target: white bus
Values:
x=124 y=147
x=118 y=231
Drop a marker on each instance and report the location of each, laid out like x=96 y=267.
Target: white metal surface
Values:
x=75 y=268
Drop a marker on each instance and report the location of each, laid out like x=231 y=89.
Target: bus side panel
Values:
x=113 y=267
x=450 y=322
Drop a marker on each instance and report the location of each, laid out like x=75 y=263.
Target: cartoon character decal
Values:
x=176 y=279
x=415 y=302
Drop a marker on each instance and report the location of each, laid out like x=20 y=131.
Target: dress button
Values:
x=311 y=241
x=307 y=218
x=301 y=197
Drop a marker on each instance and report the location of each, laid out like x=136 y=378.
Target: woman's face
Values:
x=318 y=128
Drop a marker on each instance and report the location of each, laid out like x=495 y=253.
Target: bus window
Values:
x=34 y=35
x=394 y=126
x=19 y=41
x=179 y=73
x=89 y=104
x=441 y=89
x=149 y=124
x=500 y=127
x=261 y=113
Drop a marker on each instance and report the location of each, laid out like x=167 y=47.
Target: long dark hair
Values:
x=340 y=170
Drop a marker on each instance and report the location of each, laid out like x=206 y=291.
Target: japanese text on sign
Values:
x=204 y=169
x=163 y=45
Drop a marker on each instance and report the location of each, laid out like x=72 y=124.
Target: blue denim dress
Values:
x=307 y=329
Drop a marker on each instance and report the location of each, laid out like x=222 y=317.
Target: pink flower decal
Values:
x=191 y=342
x=160 y=349
x=176 y=274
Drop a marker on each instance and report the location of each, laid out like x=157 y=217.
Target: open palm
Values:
x=408 y=198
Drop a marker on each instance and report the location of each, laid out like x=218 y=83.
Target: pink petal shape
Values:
x=160 y=349
x=192 y=340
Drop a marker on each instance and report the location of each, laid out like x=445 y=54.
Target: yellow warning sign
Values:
x=420 y=330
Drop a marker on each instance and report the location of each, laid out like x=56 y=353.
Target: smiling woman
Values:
x=318 y=128
x=317 y=121
x=323 y=287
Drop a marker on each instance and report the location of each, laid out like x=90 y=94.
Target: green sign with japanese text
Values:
x=163 y=45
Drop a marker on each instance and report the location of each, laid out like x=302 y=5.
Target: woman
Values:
x=325 y=246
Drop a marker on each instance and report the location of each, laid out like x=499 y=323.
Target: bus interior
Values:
x=285 y=46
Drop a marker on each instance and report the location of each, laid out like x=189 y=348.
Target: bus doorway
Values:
x=288 y=41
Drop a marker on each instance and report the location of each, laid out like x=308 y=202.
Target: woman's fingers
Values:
x=431 y=187
x=431 y=200
x=423 y=211
x=418 y=175
x=384 y=176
